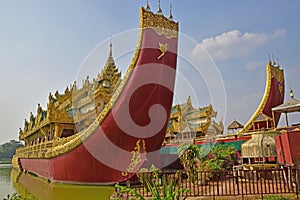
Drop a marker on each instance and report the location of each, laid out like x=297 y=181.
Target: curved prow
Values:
x=273 y=96
x=132 y=125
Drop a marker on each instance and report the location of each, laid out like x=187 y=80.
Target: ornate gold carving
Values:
x=166 y=32
x=159 y=23
x=277 y=73
x=163 y=49
x=136 y=158
x=149 y=19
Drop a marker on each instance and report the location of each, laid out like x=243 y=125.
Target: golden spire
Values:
x=110 y=58
x=147 y=6
x=110 y=47
x=171 y=16
x=159 y=11
x=109 y=76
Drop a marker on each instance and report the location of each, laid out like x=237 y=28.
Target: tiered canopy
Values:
x=235 y=125
x=293 y=105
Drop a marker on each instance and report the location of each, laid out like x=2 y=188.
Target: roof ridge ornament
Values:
x=171 y=16
x=159 y=11
x=277 y=61
x=274 y=63
x=291 y=93
x=147 y=6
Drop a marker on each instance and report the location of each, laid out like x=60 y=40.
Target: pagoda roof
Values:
x=186 y=107
x=292 y=105
x=262 y=117
x=174 y=109
x=234 y=125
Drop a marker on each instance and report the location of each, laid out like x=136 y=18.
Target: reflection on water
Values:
x=5 y=183
x=32 y=187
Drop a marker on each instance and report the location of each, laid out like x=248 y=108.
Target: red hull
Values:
x=129 y=130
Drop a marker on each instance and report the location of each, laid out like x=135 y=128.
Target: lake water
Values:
x=32 y=187
x=6 y=186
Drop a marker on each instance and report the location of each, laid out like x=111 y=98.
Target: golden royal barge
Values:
x=102 y=132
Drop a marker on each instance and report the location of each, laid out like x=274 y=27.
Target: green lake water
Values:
x=6 y=186
x=32 y=187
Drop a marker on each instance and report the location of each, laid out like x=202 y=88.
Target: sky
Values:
x=223 y=50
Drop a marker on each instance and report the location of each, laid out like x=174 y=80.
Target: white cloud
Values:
x=254 y=65
x=233 y=44
x=278 y=33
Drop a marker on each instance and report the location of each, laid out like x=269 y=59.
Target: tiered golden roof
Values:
x=75 y=109
x=185 y=116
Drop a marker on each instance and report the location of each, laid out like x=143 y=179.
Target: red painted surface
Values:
x=288 y=148
x=276 y=98
x=100 y=158
x=279 y=150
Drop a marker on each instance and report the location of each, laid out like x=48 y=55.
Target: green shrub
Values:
x=13 y=196
x=170 y=190
x=276 y=198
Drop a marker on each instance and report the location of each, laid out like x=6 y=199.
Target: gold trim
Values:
x=136 y=157
x=272 y=72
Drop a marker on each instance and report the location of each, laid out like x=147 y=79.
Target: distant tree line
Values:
x=8 y=149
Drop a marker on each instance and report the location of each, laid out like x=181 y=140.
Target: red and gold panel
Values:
x=273 y=96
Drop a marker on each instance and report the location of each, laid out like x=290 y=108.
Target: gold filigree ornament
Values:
x=136 y=158
x=167 y=33
x=163 y=49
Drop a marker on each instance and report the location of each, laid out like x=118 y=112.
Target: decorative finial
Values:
x=171 y=6
x=274 y=63
x=159 y=11
x=147 y=6
x=269 y=59
x=291 y=93
x=277 y=61
x=110 y=47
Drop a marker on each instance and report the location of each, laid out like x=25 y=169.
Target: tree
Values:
x=218 y=157
x=189 y=156
x=8 y=149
